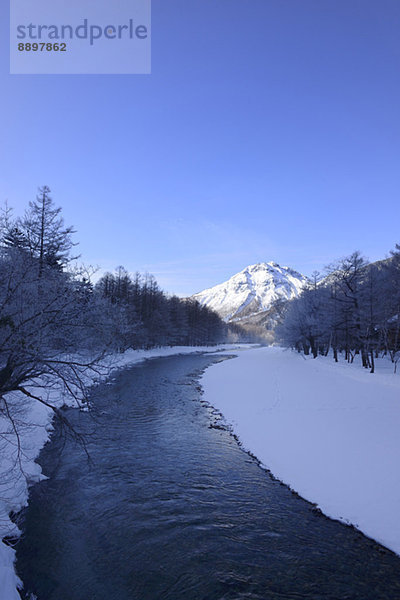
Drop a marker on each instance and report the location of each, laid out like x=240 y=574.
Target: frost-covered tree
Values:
x=355 y=309
x=43 y=232
x=49 y=319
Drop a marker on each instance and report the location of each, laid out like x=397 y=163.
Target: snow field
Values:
x=330 y=431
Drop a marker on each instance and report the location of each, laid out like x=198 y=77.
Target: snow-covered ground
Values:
x=330 y=431
x=18 y=468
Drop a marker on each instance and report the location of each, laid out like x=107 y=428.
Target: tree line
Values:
x=354 y=310
x=148 y=318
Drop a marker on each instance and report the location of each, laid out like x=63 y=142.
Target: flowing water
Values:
x=170 y=508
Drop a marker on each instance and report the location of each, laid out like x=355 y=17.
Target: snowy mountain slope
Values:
x=253 y=290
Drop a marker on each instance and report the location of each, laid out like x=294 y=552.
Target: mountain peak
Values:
x=253 y=290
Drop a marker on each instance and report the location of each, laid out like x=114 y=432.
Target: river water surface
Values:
x=172 y=509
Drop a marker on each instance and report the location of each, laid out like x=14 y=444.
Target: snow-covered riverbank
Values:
x=330 y=431
x=18 y=468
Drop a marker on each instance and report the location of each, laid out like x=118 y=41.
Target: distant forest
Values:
x=354 y=310
x=50 y=310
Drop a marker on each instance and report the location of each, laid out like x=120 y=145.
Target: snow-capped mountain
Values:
x=254 y=290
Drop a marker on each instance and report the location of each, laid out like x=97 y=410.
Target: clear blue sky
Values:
x=268 y=130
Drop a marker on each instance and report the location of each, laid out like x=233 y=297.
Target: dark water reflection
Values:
x=172 y=509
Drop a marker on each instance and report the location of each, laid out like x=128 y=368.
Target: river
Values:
x=170 y=508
